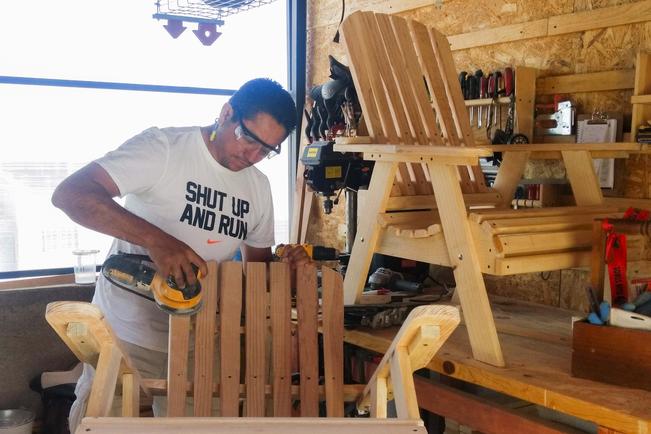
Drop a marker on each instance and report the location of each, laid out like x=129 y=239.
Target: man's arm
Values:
x=86 y=197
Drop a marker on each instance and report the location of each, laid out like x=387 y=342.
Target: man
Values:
x=192 y=194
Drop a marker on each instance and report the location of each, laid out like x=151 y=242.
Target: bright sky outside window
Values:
x=48 y=132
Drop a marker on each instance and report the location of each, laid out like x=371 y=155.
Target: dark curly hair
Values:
x=264 y=95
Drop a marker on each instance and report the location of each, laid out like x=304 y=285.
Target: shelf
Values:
x=641 y=99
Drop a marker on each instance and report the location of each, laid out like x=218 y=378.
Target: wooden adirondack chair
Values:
x=427 y=199
x=267 y=387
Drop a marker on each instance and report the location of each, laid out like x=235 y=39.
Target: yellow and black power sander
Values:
x=138 y=275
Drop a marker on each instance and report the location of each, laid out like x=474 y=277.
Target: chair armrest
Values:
x=454 y=155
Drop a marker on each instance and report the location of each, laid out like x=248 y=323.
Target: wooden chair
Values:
x=428 y=200
x=264 y=385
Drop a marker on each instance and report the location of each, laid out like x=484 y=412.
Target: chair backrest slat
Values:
x=230 y=314
x=333 y=336
x=307 y=307
x=255 y=338
x=413 y=66
x=205 y=345
x=177 y=364
x=281 y=338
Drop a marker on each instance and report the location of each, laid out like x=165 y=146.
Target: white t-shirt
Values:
x=171 y=180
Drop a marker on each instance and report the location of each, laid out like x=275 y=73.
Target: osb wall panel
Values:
x=582 y=52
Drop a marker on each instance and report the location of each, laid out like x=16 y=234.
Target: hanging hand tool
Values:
x=479 y=75
x=138 y=275
x=496 y=95
x=506 y=136
x=473 y=87
x=463 y=82
x=490 y=90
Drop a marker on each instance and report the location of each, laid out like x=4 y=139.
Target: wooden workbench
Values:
x=537 y=344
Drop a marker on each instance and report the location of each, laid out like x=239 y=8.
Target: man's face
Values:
x=241 y=146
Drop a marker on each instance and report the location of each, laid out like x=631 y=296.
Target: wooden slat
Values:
x=106 y=376
x=208 y=425
x=368 y=232
x=538 y=224
x=465 y=261
x=532 y=244
x=580 y=172
x=538 y=263
x=255 y=337
x=177 y=364
x=281 y=338
x=307 y=305
x=130 y=395
x=363 y=86
x=431 y=249
x=496 y=35
x=230 y=311
x=446 y=318
x=479 y=216
x=509 y=176
x=333 y=340
x=406 y=203
x=525 y=94
x=635 y=12
x=590 y=82
x=561 y=24
x=403 y=385
x=379 y=398
x=204 y=347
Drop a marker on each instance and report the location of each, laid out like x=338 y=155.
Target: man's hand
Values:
x=295 y=255
x=175 y=258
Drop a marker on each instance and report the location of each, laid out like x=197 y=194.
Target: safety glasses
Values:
x=243 y=133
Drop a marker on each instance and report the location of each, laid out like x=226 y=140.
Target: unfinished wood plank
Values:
x=582 y=177
x=404 y=392
x=275 y=425
x=538 y=224
x=497 y=35
x=281 y=338
x=542 y=262
x=357 y=28
x=446 y=318
x=368 y=232
x=333 y=340
x=255 y=337
x=642 y=86
x=177 y=364
x=618 y=79
x=204 y=343
x=467 y=271
x=230 y=312
x=630 y=13
x=379 y=398
x=532 y=243
x=103 y=389
x=363 y=85
x=308 y=350
x=130 y=396
x=509 y=175
x=472 y=200
x=525 y=94
x=479 y=216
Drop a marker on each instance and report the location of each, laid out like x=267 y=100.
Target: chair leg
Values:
x=130 y=396
x=368 y=232
x=465 y=262
x=103 y=390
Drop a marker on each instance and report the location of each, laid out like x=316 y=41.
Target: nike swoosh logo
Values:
x=211 y=241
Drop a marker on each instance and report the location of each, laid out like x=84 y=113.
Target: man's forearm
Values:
x=92 y=207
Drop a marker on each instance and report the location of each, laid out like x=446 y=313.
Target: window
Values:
x=47 y=132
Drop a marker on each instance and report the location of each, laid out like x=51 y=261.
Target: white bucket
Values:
x=17 y=421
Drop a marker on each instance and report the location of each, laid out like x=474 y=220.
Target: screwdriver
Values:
x=509 y=86
x=483 y=90
x=495 y=94
x=479 y=74
x=490 y=91
x=472 y=89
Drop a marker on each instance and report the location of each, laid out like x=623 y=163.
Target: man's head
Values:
x=253 y=124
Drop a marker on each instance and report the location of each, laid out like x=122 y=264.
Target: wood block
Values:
x=614 y=355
